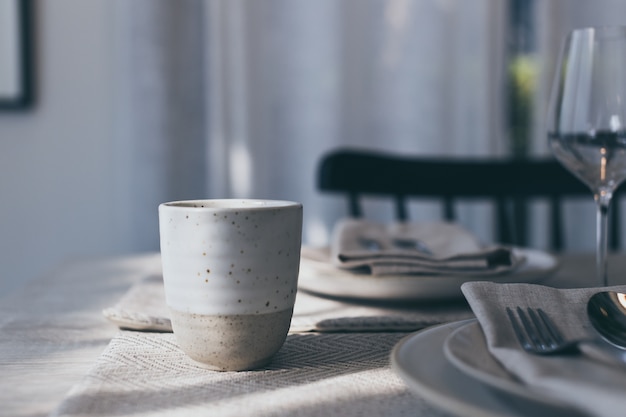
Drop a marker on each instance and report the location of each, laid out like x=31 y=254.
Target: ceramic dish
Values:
x=322 y=278
x=466 y=349
x=420 y=361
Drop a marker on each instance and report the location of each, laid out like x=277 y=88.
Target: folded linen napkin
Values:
x=417 y=248
x=588 y=382
x=143 y=308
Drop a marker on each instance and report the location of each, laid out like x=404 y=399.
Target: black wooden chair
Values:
x=509 y=183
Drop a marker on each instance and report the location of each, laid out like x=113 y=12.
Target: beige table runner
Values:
x=314 y=374
x=335 y=362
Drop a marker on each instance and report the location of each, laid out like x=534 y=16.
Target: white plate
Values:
x=419 y=360
x=466 y=349
x=322 y=278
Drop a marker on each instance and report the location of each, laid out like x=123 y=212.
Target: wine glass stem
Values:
x=602 y=238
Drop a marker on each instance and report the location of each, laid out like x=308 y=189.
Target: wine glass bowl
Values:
x=587 y=117
x=598 y=159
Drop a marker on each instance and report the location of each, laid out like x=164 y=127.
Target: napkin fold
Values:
x=416 y=248
x=591 y=382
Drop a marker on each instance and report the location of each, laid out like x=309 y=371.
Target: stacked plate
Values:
x=450 y=367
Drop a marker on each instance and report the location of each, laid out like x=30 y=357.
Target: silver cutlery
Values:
x=537 y=334
x=370 y=244
x=400 y=243
x=607 y=312
x=412 y=244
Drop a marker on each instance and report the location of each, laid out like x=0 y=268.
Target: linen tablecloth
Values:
x=53 y=335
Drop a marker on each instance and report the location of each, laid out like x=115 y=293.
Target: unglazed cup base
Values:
x=231 y=342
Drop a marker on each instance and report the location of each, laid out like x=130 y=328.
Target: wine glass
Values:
x=587 y=118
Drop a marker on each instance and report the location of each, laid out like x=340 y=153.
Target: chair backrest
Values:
x=509 y=183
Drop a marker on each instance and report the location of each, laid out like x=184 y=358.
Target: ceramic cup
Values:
x=230 y=269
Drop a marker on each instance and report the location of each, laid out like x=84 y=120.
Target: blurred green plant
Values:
x=521 y=92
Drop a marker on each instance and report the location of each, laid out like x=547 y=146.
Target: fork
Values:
x=537 y=333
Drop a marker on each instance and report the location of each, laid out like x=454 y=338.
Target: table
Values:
x=52 y=330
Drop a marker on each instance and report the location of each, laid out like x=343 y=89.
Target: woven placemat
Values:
x=143 y=308
x=314 y=374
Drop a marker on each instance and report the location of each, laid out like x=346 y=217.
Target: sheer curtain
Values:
x=289 y=80
x=160 y=111
x=240 y=98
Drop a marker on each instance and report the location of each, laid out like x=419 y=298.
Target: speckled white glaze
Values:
x=230 y=256
x=230 y=269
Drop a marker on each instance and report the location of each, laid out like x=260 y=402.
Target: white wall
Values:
x=62 y=165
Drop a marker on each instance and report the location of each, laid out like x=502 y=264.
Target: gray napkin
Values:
x=588 y=381
x=417 y=248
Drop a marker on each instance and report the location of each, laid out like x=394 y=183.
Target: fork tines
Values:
x=537 y=333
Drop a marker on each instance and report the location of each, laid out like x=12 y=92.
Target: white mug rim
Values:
x=227 y=204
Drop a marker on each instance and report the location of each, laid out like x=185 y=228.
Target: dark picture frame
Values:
x=16 y=66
